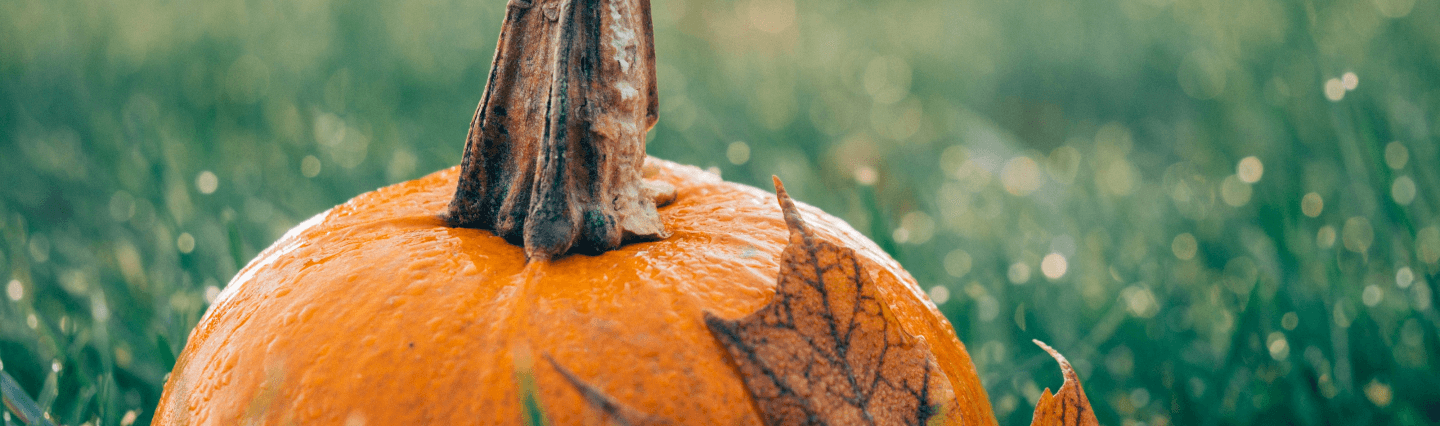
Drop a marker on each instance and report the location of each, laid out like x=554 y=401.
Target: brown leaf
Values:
x=827 y=350
x=1067 y=407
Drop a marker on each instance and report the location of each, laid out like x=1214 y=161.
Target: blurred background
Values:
x=1223 y=212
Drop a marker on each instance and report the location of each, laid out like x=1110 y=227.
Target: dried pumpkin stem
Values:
x=554 y=155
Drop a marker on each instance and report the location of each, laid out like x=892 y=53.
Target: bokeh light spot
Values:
x=1184 y=246
x=1378 y=393
x=131 y=415
x=1404 y=277
x=1054 y=266
x=738 y=153
x=1372 y=295
x=185 y=243
x=1279 y=347
x=15 y=290
x=1120 y=361
x=1021 y=176
x=1358 y=234
x=401 y=166
x=1350 y=80
x=1250 y=169
x=1140 y=397
x=1403 y=190
x=957 y=263
x=1140 y=301
x=952 y=158
x=1396 y=155
x=939 y=294
x=122 y=206
x=1312 y=204
x=1235 y=192
x=310 y=166
x=918 y=226
x=1019 y=273
x=900 y=235
x=866 y=175
x=987 y=308
x=1325 y=237
x=1334 y=90
x=1427 y=244
x=99 y=310
x=1290 y=321
x=206 y=182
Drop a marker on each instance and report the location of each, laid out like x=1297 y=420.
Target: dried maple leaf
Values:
x=827 y=350
x=1069 y=406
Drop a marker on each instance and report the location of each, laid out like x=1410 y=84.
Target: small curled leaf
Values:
x=1069 y=406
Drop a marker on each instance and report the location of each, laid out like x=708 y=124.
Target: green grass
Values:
x=151 y=148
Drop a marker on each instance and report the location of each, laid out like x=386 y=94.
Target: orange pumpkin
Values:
x=408 y=305
x=377 y=311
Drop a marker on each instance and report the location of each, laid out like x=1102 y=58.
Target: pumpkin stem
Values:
x=554 y=155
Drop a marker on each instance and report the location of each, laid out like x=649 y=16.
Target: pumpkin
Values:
x=558 y=274
x=380 y=312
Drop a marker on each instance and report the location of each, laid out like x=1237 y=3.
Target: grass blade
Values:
x=19 y=403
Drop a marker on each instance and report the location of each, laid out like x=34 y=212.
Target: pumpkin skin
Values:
x=375 y=312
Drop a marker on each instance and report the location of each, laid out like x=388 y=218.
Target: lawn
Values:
x=1223 y=212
